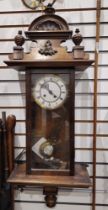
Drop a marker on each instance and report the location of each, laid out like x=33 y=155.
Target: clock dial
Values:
x=50 y=92
x=32 y=4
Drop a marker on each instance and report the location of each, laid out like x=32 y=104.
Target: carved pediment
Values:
x=46 y=34
x=49 y=22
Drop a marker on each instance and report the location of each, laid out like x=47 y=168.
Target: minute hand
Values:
x=46 y=86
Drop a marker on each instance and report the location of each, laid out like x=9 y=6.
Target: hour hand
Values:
x=46 y=86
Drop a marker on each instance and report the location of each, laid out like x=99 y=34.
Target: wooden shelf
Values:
x=80 y=180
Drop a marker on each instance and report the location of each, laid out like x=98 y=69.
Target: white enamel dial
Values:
x=50 y=92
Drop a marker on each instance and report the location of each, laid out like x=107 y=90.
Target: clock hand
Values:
x=50 y=91
x=46 y=86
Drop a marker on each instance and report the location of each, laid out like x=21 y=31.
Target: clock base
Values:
x=50 y=184
x=79 y=180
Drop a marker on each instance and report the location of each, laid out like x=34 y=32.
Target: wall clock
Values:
x=50 y=106
x=33 y=4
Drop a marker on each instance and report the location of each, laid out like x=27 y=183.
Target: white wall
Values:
x=12 y=85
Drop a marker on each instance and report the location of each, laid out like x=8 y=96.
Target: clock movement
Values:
x=50 y=105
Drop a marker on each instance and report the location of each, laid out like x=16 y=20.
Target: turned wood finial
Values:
x=18 y=51
x=50 y=196
x=50 y=200
x=78 y=51
x=49 y=9
x=10 y=122
x=19 y=39
x=77 y=37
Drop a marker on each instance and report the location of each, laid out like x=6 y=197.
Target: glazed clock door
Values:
x=50 y=126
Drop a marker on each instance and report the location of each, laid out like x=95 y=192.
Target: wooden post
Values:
x=4 y=149
x=95 y=100
x=10 y=125
x=6 y=139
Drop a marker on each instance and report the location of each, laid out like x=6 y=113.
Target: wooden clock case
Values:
x=47 y=56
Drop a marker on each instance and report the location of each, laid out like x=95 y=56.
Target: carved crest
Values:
x=47 y=49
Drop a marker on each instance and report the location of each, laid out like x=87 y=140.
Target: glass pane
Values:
x=50 y=122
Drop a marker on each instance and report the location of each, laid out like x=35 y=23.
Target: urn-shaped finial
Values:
x=19 y=39
x=18 y=49
x=77 y=37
